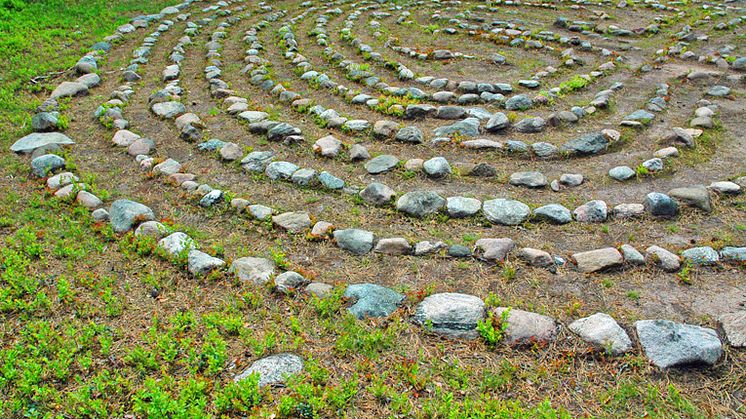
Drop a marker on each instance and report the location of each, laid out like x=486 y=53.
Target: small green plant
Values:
x=491 y=329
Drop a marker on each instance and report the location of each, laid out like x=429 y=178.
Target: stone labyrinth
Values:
x=559 y=158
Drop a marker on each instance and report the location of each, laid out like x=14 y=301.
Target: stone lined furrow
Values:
x=462 y=218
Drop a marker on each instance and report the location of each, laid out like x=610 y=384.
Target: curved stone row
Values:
x=420 y=204
x=666 y=344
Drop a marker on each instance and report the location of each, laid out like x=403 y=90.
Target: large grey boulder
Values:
x=372 y=300
x=695 y=196
x=293 y=222
x=525 y=327
x=200 y=263
x=125 y=214
x=528 y=179
x=701 y=256
x=468 y=127
x=460 y=207
x=176 y=243
x=46 y=164
x=420 y=203
x=273 y=370
x=668 y=344
x=495 y=250
x=604 y=332
x=587 y=144
x=553 y=213
x=168 y=110
x=256 y=270
x=381 y=164
x=36 y=140
x=377 y=194
x=506 y=211
x=358 y=242
x=450 y=314
x=596 y=260
x=663 y=258
x=69 y=88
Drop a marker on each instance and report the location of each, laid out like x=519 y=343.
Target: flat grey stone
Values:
x=468 y=127
x=69 y=88
x=460 y=207
x=536 y=257
x=528 y=179
x=355 y=241
x=280 y=170
x=598 y=259
x=260 y=212
x=330 y=181
x=603 y=332
x=327 y=146
x=530 y=125
x=621 y=173
x=211 y=198
x=553 y=213
x=733 y=254
x=661 y=205
x=257 y=161
x=153 y=229
x=695 y=196
x=176 y=243
x=381 y=164
x=668 y=344
x=303 y=177
x=200 y=263
x=393 y=246
x=320 y=290
x=437 y=167
x=273 y=370
x=420 y=203
x=587 y=144
x=409 y=134
x=293 y=222
x=494 y=250
x=36 y=140
x=632 y=255
x=256 y=270
x=372 y=300
x=168 y=110
x=450 y=314
x=506 y=211
x=526 y=328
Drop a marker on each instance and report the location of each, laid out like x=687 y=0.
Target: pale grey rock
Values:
x=604 y=332
x=253 y=269
x=200 y=263
x=668 y=344
x=273 y=370
x=506 y=211
x=527 y=328
x=598 y=259
x=450 y=314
